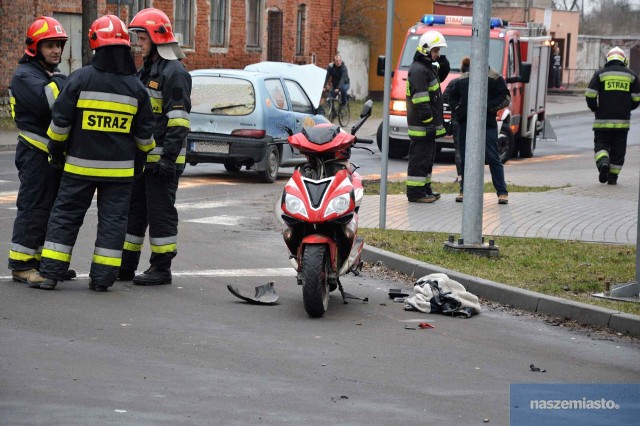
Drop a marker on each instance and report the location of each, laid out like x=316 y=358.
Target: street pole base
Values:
x=627 y=292
x=483 y=249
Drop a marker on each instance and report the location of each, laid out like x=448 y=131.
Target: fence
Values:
x=572 y=77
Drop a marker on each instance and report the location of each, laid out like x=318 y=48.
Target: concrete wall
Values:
x=355 y=54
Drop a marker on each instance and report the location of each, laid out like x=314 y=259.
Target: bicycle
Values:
x=343 y=112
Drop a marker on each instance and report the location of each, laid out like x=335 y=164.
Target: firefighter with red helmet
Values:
x=424 y=114
x=100 y=133
x=34 y=87
x=614 y=91
x=153 y=199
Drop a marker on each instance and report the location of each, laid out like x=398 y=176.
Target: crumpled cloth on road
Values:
x=437 y=293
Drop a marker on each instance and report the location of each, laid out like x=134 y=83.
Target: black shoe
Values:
x=153 y=277
x=126 y=274
x=604 y=173
x=612 y=180
x=97 y=287
x=69 y=275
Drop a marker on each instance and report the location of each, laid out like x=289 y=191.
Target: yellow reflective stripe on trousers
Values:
x=107 y=257
x=416 y=180
x=611 y=124
x=164 y=245
x=22 y=257
x=56 y=255
x=602 y=153
x=156 y=153
x=133 y=242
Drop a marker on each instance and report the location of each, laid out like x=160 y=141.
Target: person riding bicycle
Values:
x=338 y=76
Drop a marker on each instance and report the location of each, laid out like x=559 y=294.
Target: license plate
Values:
x=212 y=147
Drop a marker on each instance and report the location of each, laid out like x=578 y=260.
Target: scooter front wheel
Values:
x=315 y=286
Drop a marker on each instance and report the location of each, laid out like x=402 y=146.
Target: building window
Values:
x=254 y=22
x=300 y=33
x=136 y=6
x=218 y=23
x=182 y=27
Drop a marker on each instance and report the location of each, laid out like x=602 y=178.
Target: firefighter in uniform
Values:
x=153 y=199
x=614 y=91
x=100 y=122
x=34 y=87
x=424 y=114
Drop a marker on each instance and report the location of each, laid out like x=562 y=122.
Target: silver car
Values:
x=240 y=117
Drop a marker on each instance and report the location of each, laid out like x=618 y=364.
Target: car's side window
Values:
x=299 y=100
x=276 y=93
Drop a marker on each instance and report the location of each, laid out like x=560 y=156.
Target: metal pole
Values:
x=385 y=116
x=476 y=125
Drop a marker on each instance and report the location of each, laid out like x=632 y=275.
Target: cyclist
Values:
x=338 y=77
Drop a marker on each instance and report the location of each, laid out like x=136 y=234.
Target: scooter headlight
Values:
x=294 y=205
x=338 y=205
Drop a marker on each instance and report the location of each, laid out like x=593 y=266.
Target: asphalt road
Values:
x=193 y=354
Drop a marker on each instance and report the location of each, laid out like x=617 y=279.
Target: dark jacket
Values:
x=424 y=96
x=337 y=75
x=32 y=93
x=169 y=86
x=614 y=91
x=101 y=118
x=498 y=97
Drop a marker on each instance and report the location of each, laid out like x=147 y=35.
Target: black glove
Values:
x=140 y=161
x=56 y=154
x=165 y=170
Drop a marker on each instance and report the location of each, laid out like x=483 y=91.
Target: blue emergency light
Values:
x=457 y=20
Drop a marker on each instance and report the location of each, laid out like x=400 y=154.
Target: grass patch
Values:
x=7 y=123
x=356 y=108
x=568 y=269
x=372 y=187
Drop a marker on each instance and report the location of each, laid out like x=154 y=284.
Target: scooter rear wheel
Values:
x=315 y=286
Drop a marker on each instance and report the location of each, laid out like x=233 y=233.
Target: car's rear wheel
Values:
x=398 y=148
x=232 y=166
x=270 y=173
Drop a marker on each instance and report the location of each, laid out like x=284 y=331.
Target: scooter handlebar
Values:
x=366 y=141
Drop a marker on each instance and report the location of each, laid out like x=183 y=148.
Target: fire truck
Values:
x=519 y=51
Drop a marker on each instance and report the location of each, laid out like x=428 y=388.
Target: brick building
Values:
x=213 y=33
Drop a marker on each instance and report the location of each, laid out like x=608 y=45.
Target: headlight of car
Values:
x=338 y=205
x=294 y=205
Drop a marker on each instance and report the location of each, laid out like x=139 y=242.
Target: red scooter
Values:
x=320 y=209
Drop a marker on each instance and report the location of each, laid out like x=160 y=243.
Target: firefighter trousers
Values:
x=153 y=205
x=73 y=201
x=422 y=152
x=610 y=146
x=38 y=188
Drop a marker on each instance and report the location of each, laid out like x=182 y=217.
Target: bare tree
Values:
x=354 y=19
x=89 y=14
x=615 y=17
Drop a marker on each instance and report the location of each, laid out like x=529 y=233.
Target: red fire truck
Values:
x=519 y=51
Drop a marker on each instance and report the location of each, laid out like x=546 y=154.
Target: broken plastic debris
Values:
x=536 y=369
x=397 y=292
x=425 y=325
x=265 y=294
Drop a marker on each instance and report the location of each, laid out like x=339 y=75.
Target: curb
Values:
x=518 y=298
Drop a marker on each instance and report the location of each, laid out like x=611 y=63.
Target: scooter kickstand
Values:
x=346 y=295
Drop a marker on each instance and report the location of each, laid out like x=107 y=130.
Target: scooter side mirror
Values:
x=366 y=109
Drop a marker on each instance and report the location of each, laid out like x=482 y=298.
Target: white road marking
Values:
x=256 y=272
x=205 y=205
x=219 y=220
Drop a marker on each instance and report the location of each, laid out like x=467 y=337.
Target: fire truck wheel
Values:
x=526 y=146
x=398 y=148
x=505 y=143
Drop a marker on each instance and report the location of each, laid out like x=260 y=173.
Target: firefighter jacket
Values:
x=614 y=91
x=102 y=118
x=169 y=86
x=31 y=95
x=424 y=97
x=498 y=97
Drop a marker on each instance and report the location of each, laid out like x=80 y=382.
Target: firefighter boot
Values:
x=126 y=274
x=153 y=276
x=69 y=275
x=22 y=276
x=38 y=281
x=99 y=288
x=604 y=173
x=432 y=192
x=613 y=179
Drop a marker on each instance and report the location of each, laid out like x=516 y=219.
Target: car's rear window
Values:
x=217 y=95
